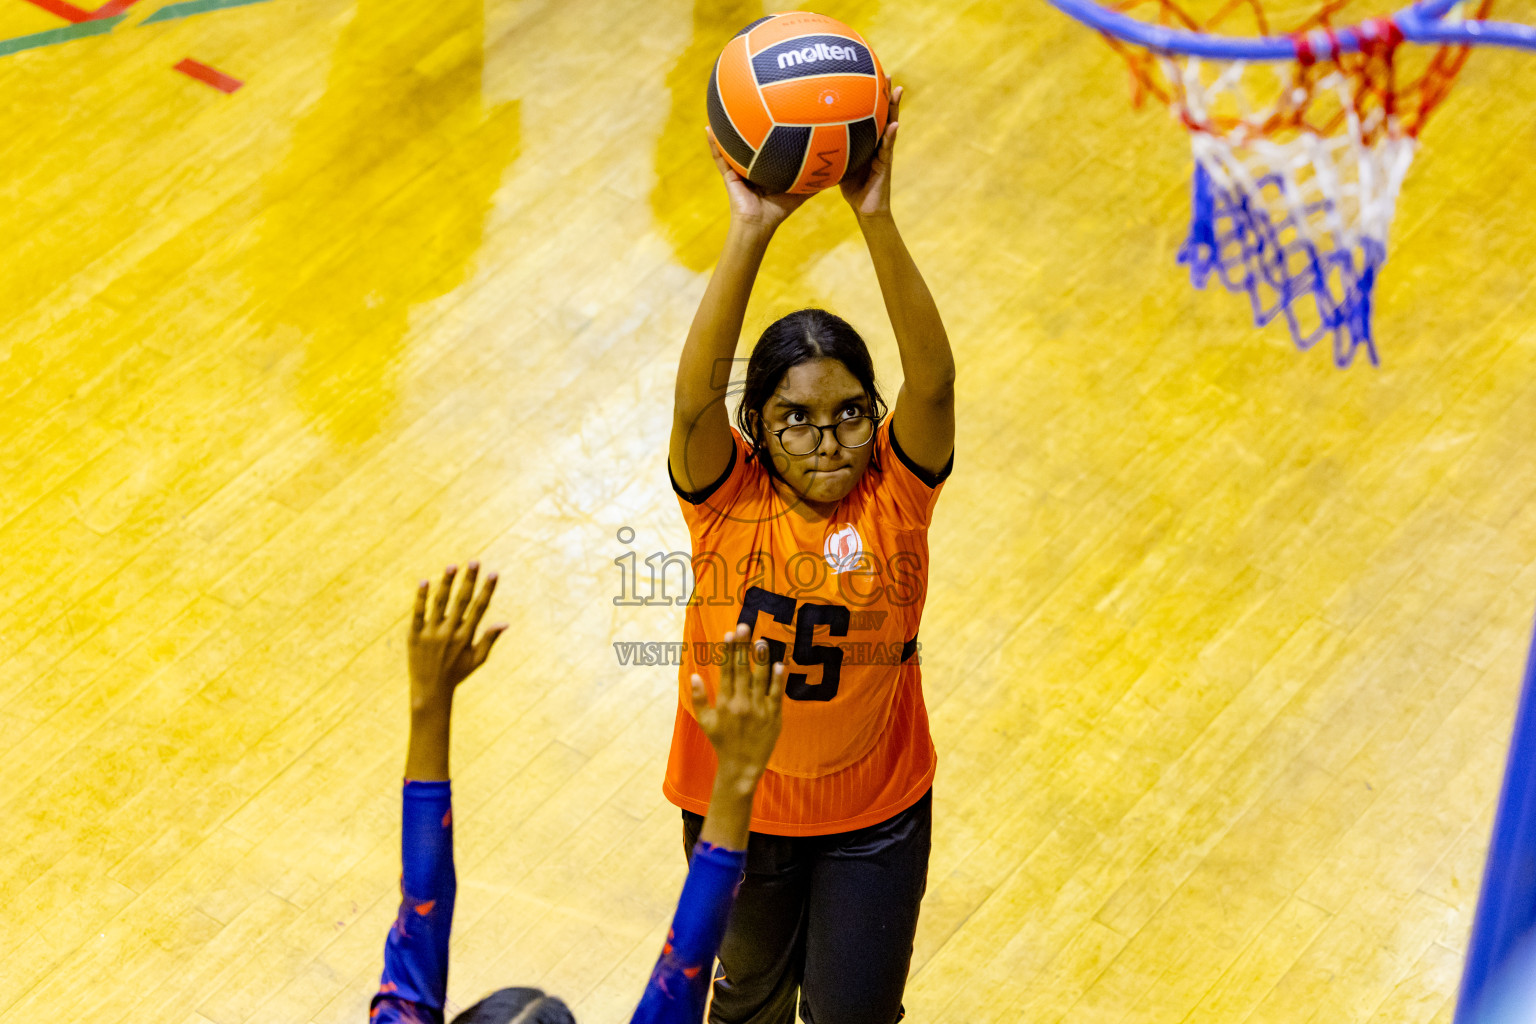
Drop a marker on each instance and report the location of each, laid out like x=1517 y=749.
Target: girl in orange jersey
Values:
x=809 y=525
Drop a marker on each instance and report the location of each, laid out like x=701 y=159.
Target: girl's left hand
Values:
x=871 y=197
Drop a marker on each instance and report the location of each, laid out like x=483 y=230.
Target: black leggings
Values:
x=830 y=918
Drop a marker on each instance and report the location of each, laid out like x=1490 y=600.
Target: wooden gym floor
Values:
x=1222 y=644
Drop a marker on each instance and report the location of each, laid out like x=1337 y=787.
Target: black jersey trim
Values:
x=909 y=648
x=931 y=479
x=701 y=496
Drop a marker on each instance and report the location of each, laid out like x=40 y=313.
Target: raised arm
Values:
x=442 y=652
x=743 y=726
x=924 y=419
x=700 y=448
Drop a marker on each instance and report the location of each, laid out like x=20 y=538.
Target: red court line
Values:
x=69 y=12
x=214 y=77
x=75 y=15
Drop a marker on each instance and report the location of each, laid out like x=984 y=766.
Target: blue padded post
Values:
x=1506 y=907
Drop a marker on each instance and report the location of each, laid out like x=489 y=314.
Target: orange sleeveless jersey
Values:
x=839 y=603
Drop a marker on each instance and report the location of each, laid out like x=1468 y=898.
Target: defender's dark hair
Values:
x=800 y=337
x=524 y=1005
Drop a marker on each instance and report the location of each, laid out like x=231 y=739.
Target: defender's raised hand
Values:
x=442 y=645
x=744 y=721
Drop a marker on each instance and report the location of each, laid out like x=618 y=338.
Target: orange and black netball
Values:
x=798 y=101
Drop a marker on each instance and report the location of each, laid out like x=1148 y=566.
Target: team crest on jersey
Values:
x=844 y=548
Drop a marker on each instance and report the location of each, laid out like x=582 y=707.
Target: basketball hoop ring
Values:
x=1301 y=140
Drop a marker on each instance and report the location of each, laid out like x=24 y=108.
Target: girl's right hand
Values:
x=750 y=206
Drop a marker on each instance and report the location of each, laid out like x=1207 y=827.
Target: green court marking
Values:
x=102 y=26
x=190 y=7
x=59 y=35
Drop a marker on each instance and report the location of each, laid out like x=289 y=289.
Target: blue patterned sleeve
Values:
x=680 y=981
x=414 y=986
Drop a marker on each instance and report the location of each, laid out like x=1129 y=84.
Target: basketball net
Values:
x=1297 y=166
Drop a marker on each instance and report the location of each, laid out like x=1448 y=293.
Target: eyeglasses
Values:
x=805 y=438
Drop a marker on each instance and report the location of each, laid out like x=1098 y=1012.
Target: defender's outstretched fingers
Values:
x=758 y=687
x=482 y=602
x=419 y=611
x=466 y=591
x=744 y=661
x=726 y=688
x=768 y=690
x=440 y=606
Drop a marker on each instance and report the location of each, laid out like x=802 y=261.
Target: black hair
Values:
x=800 y=337
x=524 y=1005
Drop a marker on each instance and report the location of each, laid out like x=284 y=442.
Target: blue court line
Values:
x=96 y=27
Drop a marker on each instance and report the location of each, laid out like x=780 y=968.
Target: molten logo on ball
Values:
x=821 y=51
